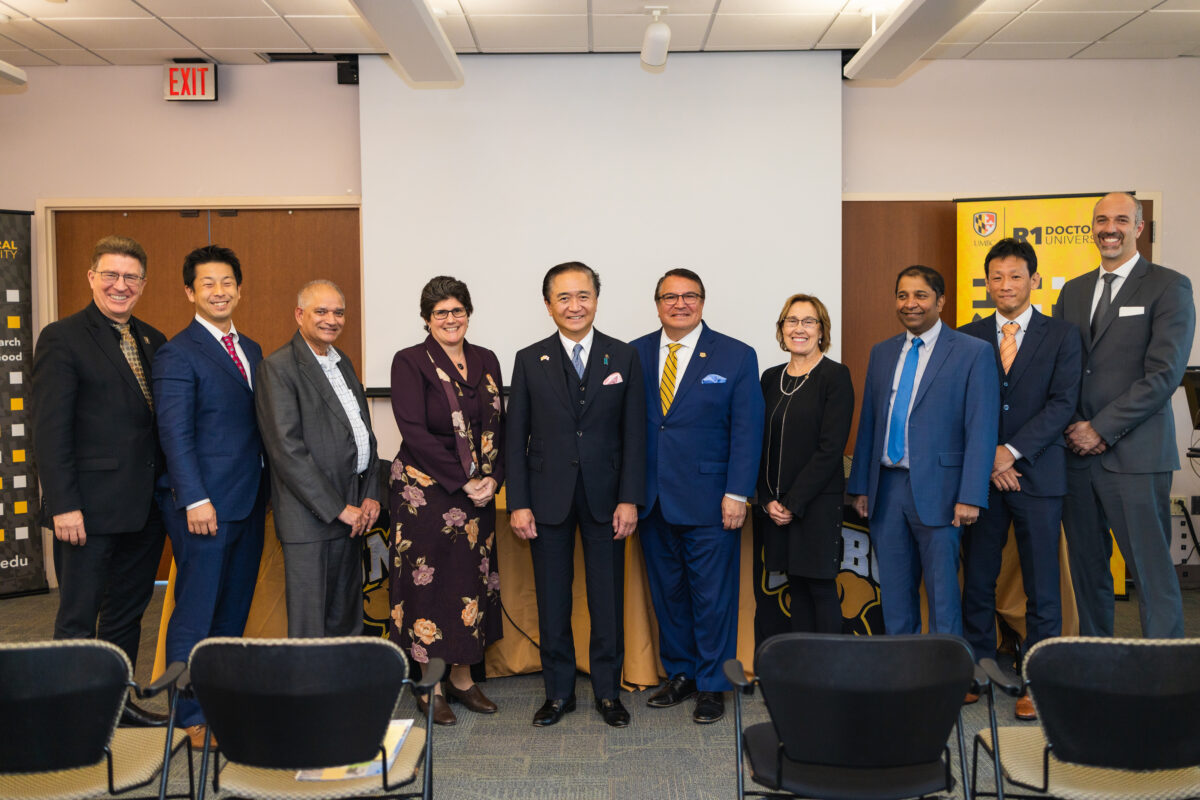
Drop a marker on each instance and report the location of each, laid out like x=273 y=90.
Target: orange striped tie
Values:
x=1008 y=344
x=666 y=389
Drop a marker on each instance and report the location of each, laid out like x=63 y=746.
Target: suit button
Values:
x=579 y=433
x=582 y=402
x=574 y=463
x=1006 y=406
x=662 y=427
x=1005 y=384
x=1087 y=372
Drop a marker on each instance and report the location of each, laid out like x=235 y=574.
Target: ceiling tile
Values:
x=1161 y=27
x=848 y=31
x=1010 y=51
x=333 y=34
x=788 y=7
x=208 y=8
x=25 y=58
x=35 y=35
x=234 y=55
x=319 y=7
x=74 y=58
x=531 y=34
x=1094 y=5
x=1004 y=5
x=948 y=51
x=1179 y=5
x=148 y=56
x=1133 y=50
x=451 y=7
x=257 y=34
x=525 y=7
x=767 y=31
x=117 y=34
x=92 y=9
x=1062 y=27
x=639 y=7
x=11 y=12
x=977 y=27
x=623 y=32
x=458 y=32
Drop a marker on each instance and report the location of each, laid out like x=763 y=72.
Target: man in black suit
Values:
x=577 y=457
x=1038 y=362
x=97 y=453
x=1136 y=320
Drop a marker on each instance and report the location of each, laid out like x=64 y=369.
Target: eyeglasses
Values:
x=688 y=298
x=807 y=322
x=112 y=277
x=442 y=313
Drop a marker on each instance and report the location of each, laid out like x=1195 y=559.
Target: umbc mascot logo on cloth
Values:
x=984 y=223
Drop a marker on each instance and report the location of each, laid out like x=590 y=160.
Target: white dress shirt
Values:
x=928 y=341
x=1022 y=321
x=362 y=438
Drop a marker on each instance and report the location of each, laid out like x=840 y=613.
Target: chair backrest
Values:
x=298 y=703
x=863 y=701
x=59 y=703
x=1121 y=703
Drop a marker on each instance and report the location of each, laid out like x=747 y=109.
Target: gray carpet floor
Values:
x=662 y=755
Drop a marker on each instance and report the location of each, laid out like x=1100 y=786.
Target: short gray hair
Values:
x=314 y=284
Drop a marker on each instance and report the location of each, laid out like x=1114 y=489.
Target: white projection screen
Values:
x=725 y=163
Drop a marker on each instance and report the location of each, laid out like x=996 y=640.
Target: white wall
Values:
x=993 y=128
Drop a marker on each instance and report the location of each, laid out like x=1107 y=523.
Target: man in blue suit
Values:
x=214 y=499
x=924 y=454
x=704 y=429
x=1038 y=363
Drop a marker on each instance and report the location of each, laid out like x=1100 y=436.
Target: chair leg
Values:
x=967 y=789
x=166 y=767
x=427 y=787
x=737 y=740
x=995 y=744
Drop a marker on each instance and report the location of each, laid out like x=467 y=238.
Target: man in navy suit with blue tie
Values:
x=704 y=431
x=924 y=454
x=1038 y=361
x=214 y=499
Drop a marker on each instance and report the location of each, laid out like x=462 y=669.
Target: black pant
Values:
x=106 y=583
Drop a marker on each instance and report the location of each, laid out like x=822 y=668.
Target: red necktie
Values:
x=227 y=340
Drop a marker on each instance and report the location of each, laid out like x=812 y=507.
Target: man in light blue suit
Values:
x=704 y=428
x=214 y=498
x=924 y=454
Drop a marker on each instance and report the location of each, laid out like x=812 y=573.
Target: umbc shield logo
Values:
x=984 y=223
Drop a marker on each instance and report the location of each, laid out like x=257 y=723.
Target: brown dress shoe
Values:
x=196 y=734
x=472 y=698
x=1025 y=709
x=442 y=715
x=970 y=698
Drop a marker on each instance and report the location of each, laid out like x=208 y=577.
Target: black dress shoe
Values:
x=673 y=692
x=710 y=707
x=552 y=711
x=134 y=717
x=613 y=712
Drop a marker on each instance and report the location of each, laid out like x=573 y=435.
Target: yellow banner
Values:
x=1059 y=228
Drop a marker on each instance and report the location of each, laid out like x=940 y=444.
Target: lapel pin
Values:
x=146 y=339
x=544 y=358
x=606 y=359
x=703 y=354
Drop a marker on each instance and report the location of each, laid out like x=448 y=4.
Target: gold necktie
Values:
x=129 y=349
x=1008 y=344
x=666 y=389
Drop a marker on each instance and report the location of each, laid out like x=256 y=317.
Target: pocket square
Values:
x=713 y=377
x=614 y=379
x=1130 y=311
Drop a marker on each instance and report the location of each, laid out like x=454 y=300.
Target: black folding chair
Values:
x=854 y=716
x=60 y=703
x=277 y=706
x=1119 y=720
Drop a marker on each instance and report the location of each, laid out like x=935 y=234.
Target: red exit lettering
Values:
x=188 y=82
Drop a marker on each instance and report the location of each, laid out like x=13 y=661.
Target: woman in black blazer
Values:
x=801 y=481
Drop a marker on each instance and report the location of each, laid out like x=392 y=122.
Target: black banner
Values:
x=22 y=570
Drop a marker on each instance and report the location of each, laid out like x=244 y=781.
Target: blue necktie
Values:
x=577 y=359
x=899 y=421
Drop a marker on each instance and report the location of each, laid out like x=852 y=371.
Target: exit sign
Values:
x=196 y=81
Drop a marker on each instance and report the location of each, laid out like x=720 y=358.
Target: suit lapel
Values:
x=311 y=370
x=552 y=367
x=598 y=368
x=210 y=348
x=889 y=357
x=697 y=365
x=648 y=354
x=107 y=339
x=941 y=351
x=1129 y=288
x=1030 y=343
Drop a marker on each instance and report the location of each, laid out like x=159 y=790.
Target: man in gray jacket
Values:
x=1137 y=320
x=312 y=413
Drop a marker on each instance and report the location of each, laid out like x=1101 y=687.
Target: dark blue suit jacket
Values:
x=711 y=439
x=207 y=423
x=951 y=429
x=1038 y=397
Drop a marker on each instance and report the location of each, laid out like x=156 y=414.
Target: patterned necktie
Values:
x=666 y=389
x=1008 y=345
x=1105 y=301
x=577 y=359
x=899 y=420
x=129 y=350
x=227 y=340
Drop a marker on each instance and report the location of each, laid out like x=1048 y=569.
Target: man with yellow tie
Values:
x=704 y=431
x=1038 y=358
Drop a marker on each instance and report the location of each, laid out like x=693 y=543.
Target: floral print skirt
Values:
x=444 y=585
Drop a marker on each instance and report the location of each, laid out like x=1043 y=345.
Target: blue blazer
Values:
x=207 y=423
x=711 y=439
x=951 y=429
x=1038 y=397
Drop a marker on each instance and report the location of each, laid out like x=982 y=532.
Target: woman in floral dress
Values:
x=445 y=591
